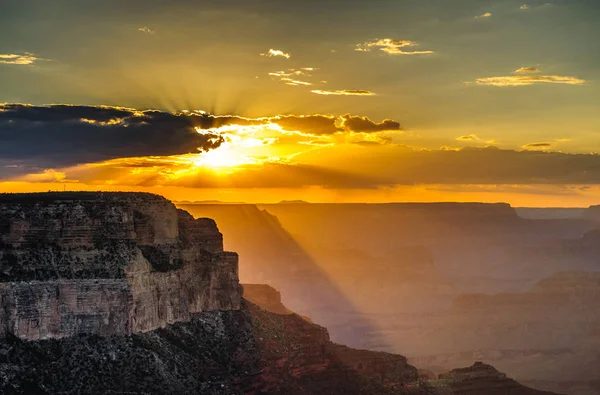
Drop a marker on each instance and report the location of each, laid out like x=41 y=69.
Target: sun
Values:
x=226 y=156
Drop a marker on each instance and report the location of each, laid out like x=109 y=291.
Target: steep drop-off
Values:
x=107 y=263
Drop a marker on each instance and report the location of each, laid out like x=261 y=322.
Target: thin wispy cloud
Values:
x=344 y=92
x=146 y=29
x=391 y=47
x=469 y=137
x=538 y=146
x=19 y=59
x=524 y=80
x=484 y=16
x=293 y=82
x=525 y=70
x=276 y=53
x=289 y=76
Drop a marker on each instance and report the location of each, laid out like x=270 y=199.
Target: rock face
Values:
x=483 y=379
x=107 y=263
x=266 y=297
x=248 y=351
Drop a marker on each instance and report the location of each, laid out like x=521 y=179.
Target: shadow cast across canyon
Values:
x=269 y=254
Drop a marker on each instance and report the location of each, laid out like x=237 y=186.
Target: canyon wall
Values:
x=107 y=263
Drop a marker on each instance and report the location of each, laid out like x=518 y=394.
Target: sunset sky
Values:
x=330 y=100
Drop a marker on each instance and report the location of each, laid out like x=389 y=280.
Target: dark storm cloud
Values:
x=62 y=135
x=365 y=125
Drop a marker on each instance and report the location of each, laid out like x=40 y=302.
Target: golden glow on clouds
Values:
x=524 y=70
x=146 y=29
x=469 y=137
x=115 y=121
x=484 y=16
x=293 y=82
x=525 y=78
x=391 y=47
x=285 y=76
x=24 y=59
x=538 y=146
x=275 y=53
x=343 y=92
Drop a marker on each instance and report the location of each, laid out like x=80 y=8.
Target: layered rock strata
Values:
x=107 y=263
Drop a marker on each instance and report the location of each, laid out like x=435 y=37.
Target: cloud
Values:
x=469 y=137
x=276 y=52
x=524 y=70
x=308 y=124
x=289 y=76
x=147 y=30
x=484 y=16
x=304 y=71
x=344 y=92
x=265 y=175
x=524 y=7
x=538 y=146
x=366 y=166
x=524 y=80
x=22 y=59
x=35 y=138
x=365 y=125
x=293 y=82
x=391 y=47
x=480 y=166
x=63 y=135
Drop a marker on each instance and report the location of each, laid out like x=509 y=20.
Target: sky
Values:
x=336 y=101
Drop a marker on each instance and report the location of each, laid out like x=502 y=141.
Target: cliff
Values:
x=483 y=379
x=107 y=263
x=266 y=297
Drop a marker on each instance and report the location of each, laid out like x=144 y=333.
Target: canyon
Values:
x=125 y=293
x=446 y=285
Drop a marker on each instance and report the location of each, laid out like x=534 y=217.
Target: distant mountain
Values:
x=549 y=213
x=592 y=213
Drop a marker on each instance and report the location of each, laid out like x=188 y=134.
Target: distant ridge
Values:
x=206 y=202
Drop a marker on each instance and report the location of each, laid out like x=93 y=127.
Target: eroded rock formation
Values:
x=107 y=263
x=483 y=379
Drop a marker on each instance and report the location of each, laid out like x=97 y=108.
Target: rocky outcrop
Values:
x=266 y=297
x=483 y=379
x=107 y=263
x=249 y=351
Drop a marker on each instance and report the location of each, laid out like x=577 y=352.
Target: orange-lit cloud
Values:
x=391 y=47
x=524 y=70
x=289 y=77
x=484 y=16
x=538 y=146
x=345 y=92
x=524 y=80
x=276 y=53
x=146 y=29
x=468 y=137
x=18 y=59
